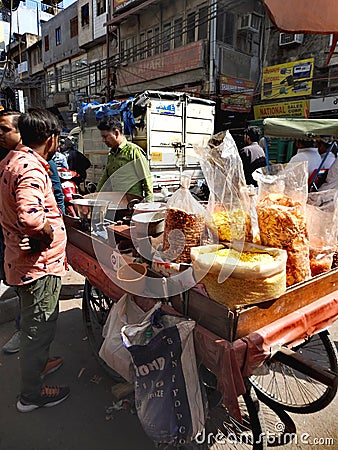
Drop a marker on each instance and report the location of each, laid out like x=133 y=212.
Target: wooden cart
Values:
x=236 y=346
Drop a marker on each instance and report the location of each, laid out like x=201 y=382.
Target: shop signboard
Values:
x=296 y=108
x=291 y=79
x=181 y=59
x=324 y=104
x=120 y=5
x=236 y=94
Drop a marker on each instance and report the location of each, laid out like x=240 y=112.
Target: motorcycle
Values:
x=70 y=189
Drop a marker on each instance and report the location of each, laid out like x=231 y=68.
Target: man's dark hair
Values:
x=253 y=133
x=306 y=143
x=37 y=125
x=109 y=124
x=14 y=114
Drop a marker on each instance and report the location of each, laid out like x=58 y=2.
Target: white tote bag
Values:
x=114 y=354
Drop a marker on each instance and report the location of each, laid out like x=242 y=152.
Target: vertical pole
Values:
x=108 y=50
x=212 y=45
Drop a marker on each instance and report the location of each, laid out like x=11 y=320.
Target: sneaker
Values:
x=53 y=364
x=13 y=345
x=50 y=396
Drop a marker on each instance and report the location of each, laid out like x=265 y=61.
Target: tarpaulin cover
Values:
x=304 y=16
x=300 y=128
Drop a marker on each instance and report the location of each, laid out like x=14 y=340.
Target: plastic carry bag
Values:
x=168 y=396
x=322 y=225
x=229 y=203
x=281 y=212
x=112 y=351
x=184 y=224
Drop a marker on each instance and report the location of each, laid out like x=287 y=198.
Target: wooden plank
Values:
x=120 y=230
x=91 y=245
x=207 y=313
x=297 y=296
x=98 y=276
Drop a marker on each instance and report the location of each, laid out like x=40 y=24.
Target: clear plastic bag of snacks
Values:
x=229 y=203
x=281 y=212
x=322 y=225
x=184 y=224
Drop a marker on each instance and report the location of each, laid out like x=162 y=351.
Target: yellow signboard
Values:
x=296 y=108
x=291 y=79
x=156 y=157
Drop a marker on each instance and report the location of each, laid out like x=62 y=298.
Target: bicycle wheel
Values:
x=280 y=428
x=95 y=310
x=292 y=389
x=222 y=430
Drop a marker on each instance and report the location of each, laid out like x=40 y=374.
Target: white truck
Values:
x=167 y=126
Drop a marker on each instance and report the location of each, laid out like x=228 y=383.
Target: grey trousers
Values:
x=39 y=307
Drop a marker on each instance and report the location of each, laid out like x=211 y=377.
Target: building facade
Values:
x=227 y=51
x=298 y=79
x=124 y=48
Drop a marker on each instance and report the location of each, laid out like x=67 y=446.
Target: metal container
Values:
x=90 y=210
x=148 y=224
x=147 y=207
x=120 y=204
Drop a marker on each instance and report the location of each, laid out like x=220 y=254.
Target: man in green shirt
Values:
x=127 y=169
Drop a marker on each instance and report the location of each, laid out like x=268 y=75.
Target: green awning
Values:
x=301 y=128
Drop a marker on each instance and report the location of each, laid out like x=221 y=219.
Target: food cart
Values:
x=280 y=347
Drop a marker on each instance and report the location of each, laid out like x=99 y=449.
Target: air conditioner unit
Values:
x=249 y=22
x=290 y=39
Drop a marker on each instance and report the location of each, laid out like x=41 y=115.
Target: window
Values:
x=128 y=49
x=203 y=23
x=46 y=43
x=225 y=28
x=58 y=36
x=149 y=42
x=178 y=31
x=156 y=40
x=166 y=37
x=85 y=15
x=245 y=43
x=51 y=82
x=142 y=45
x=100 y=7
x=191 y=27
x=73 y=25
x=36 y=56
x=63 y=77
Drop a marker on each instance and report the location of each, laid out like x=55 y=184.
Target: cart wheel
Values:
x=222 y=430
x=295 y=391
x=95 y=310
x=280 y=428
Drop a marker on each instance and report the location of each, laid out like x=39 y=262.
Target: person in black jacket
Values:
x=76 y=161
x=252 y=155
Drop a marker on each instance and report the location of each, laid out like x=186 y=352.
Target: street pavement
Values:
x=81 y=422
x=87 y=421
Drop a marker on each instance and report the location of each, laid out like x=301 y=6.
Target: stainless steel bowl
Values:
x=90 y=210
